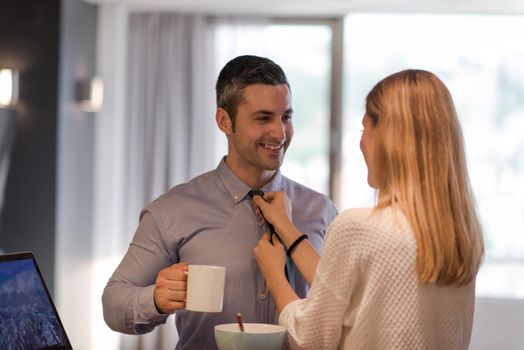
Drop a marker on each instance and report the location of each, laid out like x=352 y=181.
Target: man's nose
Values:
x=278 y=130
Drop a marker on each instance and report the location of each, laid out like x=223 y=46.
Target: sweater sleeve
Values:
x=316 y=322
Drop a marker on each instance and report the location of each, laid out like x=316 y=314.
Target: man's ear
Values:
x=224 y=121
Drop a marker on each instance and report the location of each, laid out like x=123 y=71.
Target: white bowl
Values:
x=256 y=336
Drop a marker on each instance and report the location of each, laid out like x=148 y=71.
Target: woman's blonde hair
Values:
x=421 y=167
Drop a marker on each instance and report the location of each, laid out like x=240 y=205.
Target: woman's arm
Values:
x=276 y=209
x=315 y=322
x=271 y=259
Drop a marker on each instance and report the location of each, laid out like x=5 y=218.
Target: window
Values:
x=480 y=59
x=304 y=52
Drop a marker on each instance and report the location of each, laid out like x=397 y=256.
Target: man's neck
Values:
x=254 y=178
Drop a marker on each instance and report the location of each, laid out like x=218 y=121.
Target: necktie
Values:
x=289 y=262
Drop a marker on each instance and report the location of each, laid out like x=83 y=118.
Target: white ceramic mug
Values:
x=205 y=288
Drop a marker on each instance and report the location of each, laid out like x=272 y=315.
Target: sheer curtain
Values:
x=170 y=120
x=170 y=111
x=156 y=130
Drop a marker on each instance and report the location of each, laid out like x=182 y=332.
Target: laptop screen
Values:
x=28 y=318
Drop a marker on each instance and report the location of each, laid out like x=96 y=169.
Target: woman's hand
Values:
x=276 y=208
x=277 y=211
x=271 y=259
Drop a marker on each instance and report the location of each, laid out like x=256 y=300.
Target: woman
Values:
x=400 y=275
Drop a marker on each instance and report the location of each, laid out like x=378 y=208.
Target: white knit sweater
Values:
x=366 y=293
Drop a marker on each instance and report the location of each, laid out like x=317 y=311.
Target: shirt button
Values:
x=263 y=296
x=236 y=198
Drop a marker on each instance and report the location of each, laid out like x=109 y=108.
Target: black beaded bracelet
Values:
x=294 y=244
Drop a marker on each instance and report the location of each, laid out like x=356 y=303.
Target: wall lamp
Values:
x=8 y=87
x=90 y=94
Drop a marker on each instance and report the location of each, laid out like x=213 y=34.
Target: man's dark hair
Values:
x=241 y=72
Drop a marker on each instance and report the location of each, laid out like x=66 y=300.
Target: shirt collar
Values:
x=237 y=189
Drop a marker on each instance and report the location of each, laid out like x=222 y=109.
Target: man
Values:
x=210 y=219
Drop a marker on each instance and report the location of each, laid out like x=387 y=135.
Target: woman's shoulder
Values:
x=371 y=223
x=369 y=233
x=362 y=217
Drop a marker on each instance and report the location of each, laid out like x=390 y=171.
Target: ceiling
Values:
x=321 y=8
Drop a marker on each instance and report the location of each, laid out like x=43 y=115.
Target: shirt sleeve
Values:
x=127 y=300
x=316 y=322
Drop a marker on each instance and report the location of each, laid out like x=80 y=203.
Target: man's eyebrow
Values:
x=262 y=112
x=267 y=112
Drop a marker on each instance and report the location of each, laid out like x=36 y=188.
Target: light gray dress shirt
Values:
x=208 y=220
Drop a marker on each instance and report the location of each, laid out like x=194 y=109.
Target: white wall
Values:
x=74 y=211
x=499 y=324
x=322 y=8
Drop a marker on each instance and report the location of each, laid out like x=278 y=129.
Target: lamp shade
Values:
x=8 y=87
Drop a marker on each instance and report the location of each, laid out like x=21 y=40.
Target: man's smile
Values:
x=272 y=147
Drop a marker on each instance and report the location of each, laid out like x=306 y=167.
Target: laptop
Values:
x=28 y=317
